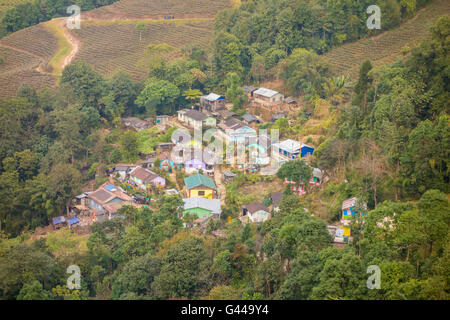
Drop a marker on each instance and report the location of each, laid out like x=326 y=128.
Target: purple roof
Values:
x=195 y=162
x=58 y=220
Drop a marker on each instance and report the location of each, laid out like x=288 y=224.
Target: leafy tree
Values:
x=363 y=85
x=24 y=263
x=304 y=72
x=235 y=93
x=158 y=97
x=435 y=213
x=192 y=95
x=129 y=146
x=33 y=291
x=184 y=270
x=88 y=87
x=137 y=277
x=295 y=170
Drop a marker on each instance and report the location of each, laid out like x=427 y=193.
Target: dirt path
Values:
x=59 y=28
x=73 y=41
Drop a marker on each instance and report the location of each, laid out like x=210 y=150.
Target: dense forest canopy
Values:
x=258 y=34
x=28 y=14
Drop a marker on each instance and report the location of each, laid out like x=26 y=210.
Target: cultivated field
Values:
x=25 y=55
x=112 y=46
x=386 y=48
x=157 y=9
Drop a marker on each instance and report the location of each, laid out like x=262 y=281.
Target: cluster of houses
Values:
x=212 y=113
x=201 y=201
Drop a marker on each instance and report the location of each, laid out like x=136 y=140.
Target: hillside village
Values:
x=225 y=150
x=137 y=185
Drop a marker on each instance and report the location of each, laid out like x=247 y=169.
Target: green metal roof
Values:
x=199 y=180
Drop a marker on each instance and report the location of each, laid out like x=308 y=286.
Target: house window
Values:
x=201 y=193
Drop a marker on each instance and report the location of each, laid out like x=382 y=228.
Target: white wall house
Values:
x=267 y=97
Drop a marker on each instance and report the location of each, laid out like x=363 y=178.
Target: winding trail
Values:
x=74 y=42
x=68 y=44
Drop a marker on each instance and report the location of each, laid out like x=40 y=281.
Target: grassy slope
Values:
x=64 y=47
x=386 y=48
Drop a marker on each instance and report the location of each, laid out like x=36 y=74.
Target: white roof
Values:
x=266 y=92
x=171 y=192
x=213 y=97
x=289 y=145
x=347 y=204
x=317 y=172
x=212 y=205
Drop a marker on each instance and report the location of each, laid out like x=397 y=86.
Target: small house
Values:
x=259 y=149
x=224 y=114
x=317 y=178
x=144 y=178
x=73 y=221
x=199 y=185
x=122 y=170
x=249 y=119
x=202 y=209
x=228 y=176
x=197 y=119
x=267 y=97
x=149 y=163
x=290 y=100
x=162 y=120
x=349 y=209
x=249 y=91
x=194 y=165
x=212 y=102
x=292 y=149
x=81 y=201
x=277 y=116
x=165 y=146
x=181 y=136
x=235 y=130
x=171 y=192
x=256 y=212
x=136 y=123
x=181 y=114
x=58 y=222
x=102 y=199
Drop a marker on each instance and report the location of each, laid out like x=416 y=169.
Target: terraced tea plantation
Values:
x=25 y=55
x=109 y=47
x=158 y=9
x=386 y=48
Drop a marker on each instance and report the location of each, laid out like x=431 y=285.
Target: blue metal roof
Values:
x=111 y=187
x=58 y=220
x=73 y=220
